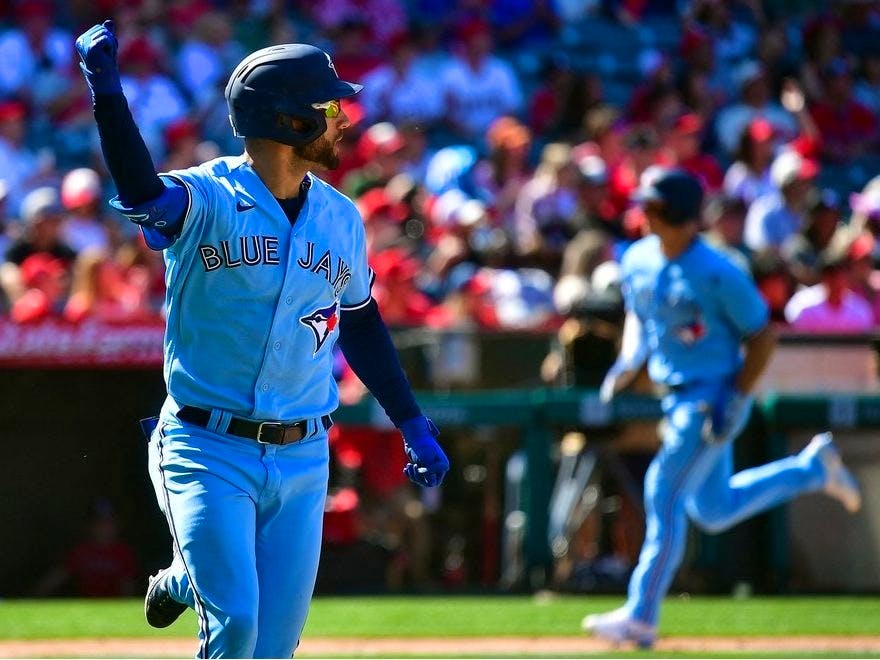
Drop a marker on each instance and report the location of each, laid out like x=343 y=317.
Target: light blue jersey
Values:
x=240 y=277
x=695 y=310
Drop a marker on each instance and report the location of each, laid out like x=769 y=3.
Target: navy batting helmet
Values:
x=680 y=193
x=281 y=82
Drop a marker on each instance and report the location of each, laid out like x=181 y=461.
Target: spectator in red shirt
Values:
x=847 y=127
x=46 y=281
x=683 y=150
x=395 y=290
x=101 y=291
x=100 y=566
x=641 y=153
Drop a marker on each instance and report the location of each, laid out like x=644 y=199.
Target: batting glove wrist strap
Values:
x=428 y=463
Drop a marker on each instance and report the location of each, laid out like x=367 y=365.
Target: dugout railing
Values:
x=540 y=414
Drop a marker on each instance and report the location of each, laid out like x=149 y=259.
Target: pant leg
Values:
x=725 y=499
x=680 y=466
x=206 y=487
x=289 y=526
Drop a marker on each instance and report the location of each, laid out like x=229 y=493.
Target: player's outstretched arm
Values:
x=633 y=353
x=367 y=346
x=156 y=204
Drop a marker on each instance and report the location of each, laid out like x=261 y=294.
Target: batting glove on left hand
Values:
x=428 y=464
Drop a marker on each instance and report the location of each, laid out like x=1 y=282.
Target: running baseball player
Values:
x=266 y=270
x=702 y=327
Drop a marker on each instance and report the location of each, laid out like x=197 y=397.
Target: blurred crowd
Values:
x=492 y=152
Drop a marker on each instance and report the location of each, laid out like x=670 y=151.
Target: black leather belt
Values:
x=270 y=433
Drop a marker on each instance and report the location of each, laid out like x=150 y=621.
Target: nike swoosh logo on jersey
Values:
x=243 y=206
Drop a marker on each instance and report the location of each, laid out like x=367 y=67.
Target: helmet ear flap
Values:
x=301 y=129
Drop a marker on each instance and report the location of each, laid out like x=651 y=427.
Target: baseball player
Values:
x=266 y=270
x=702 y=327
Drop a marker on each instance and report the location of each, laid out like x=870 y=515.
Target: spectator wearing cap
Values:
x=748 y=177
x=83 y=226
x=383 y=220
x=683 y=150
x=41 y=214
x=774 y=282
x=547 y=208
x=776 y=216
x=641 y=151
x=477 y=86
x=802 y=251
x=557 y=107
x=153 y=97
x=847 y=127
x=381 y=149
x=725 y=217
x=34 y=54
x=500 y=176
x=99 y=290
x=595 y=209
x=831 y=306
x=45 y=281
x=395 y=289
x=401 y=91
x=462 y=231
x=865 y=277
x=182 y=141
x=755 y=102
x=18 y=164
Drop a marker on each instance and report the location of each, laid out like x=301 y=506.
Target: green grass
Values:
x=465 y=616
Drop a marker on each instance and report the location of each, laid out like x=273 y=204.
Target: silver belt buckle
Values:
x=277 y=425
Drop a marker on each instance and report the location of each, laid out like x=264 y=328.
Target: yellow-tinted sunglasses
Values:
x=331 y=108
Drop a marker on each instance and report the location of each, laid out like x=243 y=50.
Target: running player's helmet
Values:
x=275 y=84
x=680 y=192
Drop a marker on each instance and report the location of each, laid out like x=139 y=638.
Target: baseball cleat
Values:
x=618 y=627
x=160 y=609
x=839 y=482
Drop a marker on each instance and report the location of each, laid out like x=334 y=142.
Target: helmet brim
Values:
x=345 y=89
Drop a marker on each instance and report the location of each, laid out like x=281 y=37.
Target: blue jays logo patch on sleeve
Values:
x=322 y=322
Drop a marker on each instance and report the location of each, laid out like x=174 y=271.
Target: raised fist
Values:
x=97 y=49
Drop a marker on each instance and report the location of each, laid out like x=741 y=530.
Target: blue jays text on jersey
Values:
x=240 y=276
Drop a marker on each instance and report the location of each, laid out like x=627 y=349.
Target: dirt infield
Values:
x=444 y=646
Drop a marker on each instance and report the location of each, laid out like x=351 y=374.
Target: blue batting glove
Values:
x=97 y=49
x=428 y=464
x=731 y=416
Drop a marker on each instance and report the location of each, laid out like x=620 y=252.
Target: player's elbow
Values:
x=765 y=339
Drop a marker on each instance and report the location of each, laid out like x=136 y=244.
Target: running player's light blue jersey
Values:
x=253 y=302
x=695 y=310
